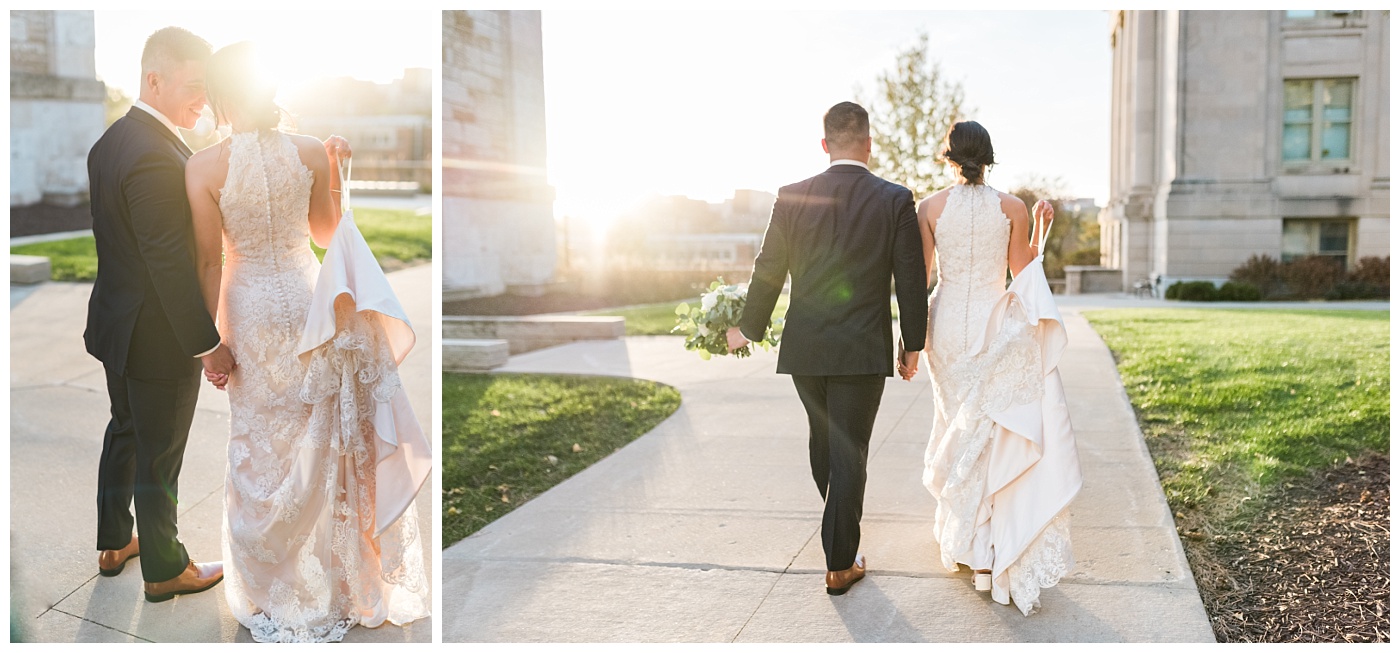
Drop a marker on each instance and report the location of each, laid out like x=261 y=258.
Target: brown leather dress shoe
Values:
x=196 y=578
x=112 y=562
x=837 y=582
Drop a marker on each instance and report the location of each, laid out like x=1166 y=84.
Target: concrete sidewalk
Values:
x=708 y=528
x=58 y=410
x=1124 y=300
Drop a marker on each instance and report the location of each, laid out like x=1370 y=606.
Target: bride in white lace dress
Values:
x=304 y=560
x=1000 y=460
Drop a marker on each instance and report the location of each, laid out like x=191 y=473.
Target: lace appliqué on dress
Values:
x=1048 y=559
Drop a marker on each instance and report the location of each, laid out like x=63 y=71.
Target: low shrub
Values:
x=1356 y=290
x=1373 y=271
x=1238 y=291
x=1311 y=277
x=1193 y=291
x=1263 y=272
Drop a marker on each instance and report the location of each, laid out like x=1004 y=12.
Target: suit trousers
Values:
x=142 y=453
x=840 y=415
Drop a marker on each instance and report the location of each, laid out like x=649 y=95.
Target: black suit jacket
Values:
x=841 y=234
x=146 y=315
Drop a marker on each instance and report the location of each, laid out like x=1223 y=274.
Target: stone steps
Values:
x=531 y=332
x=473 y=355
x=26 y=269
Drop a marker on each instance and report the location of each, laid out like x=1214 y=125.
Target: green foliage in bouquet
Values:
x=705 y=326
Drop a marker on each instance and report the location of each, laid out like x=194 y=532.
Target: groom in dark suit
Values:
x=147 y=320
x=841 y=235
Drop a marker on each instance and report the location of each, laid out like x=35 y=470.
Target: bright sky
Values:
x=701 y=103
x=376 y=46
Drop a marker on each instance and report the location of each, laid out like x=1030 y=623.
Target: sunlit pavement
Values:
x=708 y=527
x=58 y=410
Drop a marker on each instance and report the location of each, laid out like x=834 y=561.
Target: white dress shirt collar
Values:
x=161 y=117
x=850 y=162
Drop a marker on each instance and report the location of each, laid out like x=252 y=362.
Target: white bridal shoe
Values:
x=982 y=581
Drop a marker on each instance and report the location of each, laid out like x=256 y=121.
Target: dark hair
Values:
x=171 y=46
x=846 y=125
x=232 y=82
x=970 y=147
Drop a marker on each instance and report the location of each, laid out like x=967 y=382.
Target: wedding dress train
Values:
x=312 y=544
x=1001 y=460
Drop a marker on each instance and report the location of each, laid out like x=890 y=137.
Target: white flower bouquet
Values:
x=705 y=327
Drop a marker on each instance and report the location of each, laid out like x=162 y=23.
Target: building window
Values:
x=1330 y=238
x=1305 y=14
x=1317 y=119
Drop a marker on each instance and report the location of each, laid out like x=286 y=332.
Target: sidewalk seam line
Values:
x=776 y=578
x=65 y=598
x=914 y=575
x=98 y=623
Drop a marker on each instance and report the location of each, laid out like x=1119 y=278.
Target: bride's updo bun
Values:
x=235 y=86
x=969 y=146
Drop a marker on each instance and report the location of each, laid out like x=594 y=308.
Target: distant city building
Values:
x=716 y=251
x=680 y=233
x=1080 y=205
x=498 y=218
x=747 y=211
x=390 y=125
x=56 y=109
x=1246 y=132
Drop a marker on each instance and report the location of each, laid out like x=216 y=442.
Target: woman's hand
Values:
x=219 y=364
x=337 y=148
x=908 y=362
x=1044 y=215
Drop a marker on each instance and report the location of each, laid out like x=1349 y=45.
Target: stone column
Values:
x=498 y=215
x=56 y=109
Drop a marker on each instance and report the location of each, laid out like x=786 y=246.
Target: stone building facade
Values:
x=1246 y=132
x=55 y=105
x=498 y=211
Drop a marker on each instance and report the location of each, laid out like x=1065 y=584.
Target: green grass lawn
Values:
x=397 y=237
x=1235 y=402
x=509 y=437
x=658 y=319
x=74 y=259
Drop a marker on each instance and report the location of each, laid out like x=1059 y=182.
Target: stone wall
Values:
x=498 y=217
x=55 y=105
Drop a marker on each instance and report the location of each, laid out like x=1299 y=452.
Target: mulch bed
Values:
x=47 y=219
x=1312 y=566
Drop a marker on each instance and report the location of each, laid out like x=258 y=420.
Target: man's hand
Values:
x=736 y=339
x=908 y=363
x=218 y=365
x=337 y=148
